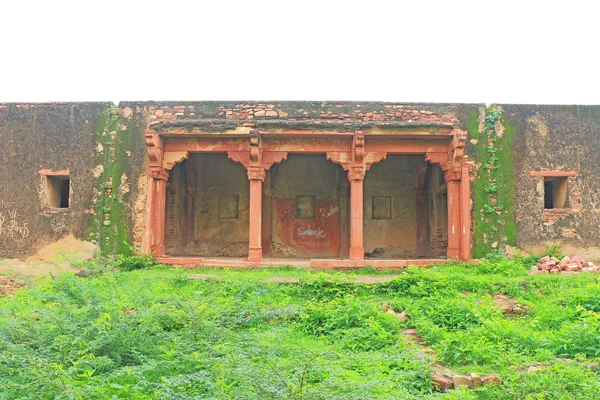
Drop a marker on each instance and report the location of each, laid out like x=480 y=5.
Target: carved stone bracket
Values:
x=357 y=162
x=171 y=158
x=242 y=157
x=255 y=150
x=438 y=158
x=273 y=157
x=451 y=161
x=256 y=161
x=154 y=147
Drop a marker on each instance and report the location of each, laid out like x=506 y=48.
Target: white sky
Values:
x=498 y=51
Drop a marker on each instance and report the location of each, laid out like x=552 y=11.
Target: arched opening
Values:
x=207 y=207
x=405 y=209
x=308 y=208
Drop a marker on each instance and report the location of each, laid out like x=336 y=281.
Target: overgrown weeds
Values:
x=131 y=329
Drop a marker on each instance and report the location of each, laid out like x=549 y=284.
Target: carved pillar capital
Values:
x=358 y=161
x=452 y=175
x=356 y=173
x=159 y=173
x=256 y=161
x=256 y=173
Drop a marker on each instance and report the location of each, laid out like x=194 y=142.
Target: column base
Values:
x=255 y=254
x=157 y=251
x=453 y=253
x=357 y=253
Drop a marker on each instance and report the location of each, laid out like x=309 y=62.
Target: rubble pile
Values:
x=510 y=306
x=8 y=285
x=446 y=381
x=567 y=265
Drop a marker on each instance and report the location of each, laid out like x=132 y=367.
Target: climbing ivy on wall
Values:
x=109 y=226
x=494 y=189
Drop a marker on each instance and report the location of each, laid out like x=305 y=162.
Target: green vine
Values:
x=109 y=223
x=494 y=189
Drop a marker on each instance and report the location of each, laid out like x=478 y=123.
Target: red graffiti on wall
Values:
x=311 y=238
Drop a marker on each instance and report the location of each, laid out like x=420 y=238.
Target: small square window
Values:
x=229 y=206
x=381 y=207
x=57 y=191
x=555 y=192
x=305 y=207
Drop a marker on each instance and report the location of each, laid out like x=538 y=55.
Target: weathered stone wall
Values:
x=556 y=138
x=235 y=116
x=103 y=148
x=55 y=137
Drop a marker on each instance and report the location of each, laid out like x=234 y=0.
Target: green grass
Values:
x=154 y=334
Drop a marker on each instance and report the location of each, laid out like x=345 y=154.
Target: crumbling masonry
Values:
x=326 y=184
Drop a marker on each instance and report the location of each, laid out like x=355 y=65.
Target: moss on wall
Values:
x=494 y=188
x=109 y=224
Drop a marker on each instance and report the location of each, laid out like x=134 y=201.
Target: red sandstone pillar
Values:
x=344 y=193
x=465 y=214
x=158 y=204
x=266 y=213
x=356 y=175
x=256 y=176
x=147 y=240
x=454 y=221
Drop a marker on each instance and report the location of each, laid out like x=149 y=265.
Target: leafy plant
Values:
x=553 y=250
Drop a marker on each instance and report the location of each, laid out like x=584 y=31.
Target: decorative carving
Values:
x=159 y=173
x=256 y=161
x=170 y=158
x=242 y=157
x=356 y=173
x=339 y=157
x=255 y=153
x=273 y=157
x=373 y=158
x=450 y=162
x=359 y=162
x=154 y=147
x=255 y=172
x=358 y=153
x=438 y=158
x=456 y=152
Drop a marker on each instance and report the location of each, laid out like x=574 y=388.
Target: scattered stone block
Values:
x=462 y=380
x=476 y=379
x=441 y=382
x=491 y=380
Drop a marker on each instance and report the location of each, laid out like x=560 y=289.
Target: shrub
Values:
x=357 y=324
x=135 y=261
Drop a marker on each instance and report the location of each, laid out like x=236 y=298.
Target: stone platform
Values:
x=331 y=264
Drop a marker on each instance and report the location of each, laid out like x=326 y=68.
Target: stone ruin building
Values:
x=325 y=184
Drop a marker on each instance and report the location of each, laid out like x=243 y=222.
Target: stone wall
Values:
x=553 y=142
x=103 y=148
x=39 y=143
